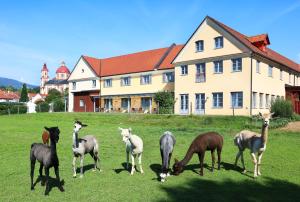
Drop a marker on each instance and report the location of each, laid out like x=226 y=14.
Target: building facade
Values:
x=59 y=82
x=218 y=71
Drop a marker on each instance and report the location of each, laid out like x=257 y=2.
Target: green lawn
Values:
x=280 y=179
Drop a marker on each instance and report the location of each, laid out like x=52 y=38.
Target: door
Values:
x=146 y=103
x=184 y=103
x=107 y=105
x=200 y=103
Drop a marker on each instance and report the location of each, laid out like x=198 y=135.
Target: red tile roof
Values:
x=270 y=54
x=63 y=69
x=136 y=62
x=7 y=95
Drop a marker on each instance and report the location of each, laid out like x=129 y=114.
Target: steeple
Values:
x=44 y=78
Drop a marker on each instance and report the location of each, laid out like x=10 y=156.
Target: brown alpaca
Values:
x=45 y=137
x=207 y=141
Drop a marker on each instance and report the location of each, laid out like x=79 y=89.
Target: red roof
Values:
x=63 y=69
x=7 y=95
x=45 y=68
x=136 y=62
x=268 y=53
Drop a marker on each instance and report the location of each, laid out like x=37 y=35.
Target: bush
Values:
x=282 y=108
x=12 y=108
x=42 y=107
x=58 y=105
x=165 y=101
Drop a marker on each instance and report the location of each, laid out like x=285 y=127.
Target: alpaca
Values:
x=207 y=141
x=45 y=137
x=167 y=143
x=134 y=146
x=255 y=142
x=82 y=146
x=47 y=157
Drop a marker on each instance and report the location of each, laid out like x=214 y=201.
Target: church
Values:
x=59 y=82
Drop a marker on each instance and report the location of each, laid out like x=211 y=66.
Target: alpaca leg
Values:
x=242 y=159
x=132 y=165
x=212 y=160
x=140 y=162
x=96 y=159
x=58 y=179
x=219 y=158
x=259 y=163
x=162 y=161
x=255 y=164
x=201 y=159
x=47 y=181
x=170 y=155
x=237 y=157
x=127 y=160
x=74 y=166
x=32 y=172
x=41 y=174
x=81 y=166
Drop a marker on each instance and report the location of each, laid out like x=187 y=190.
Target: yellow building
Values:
x=221 y=71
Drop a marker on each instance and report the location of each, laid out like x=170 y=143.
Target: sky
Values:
x=35 y=32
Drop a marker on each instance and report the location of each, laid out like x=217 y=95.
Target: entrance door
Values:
x=96 y=104
x=200 y=103
x=146 y=104
x=125 y=104
x=107 y=105
x=184 y=103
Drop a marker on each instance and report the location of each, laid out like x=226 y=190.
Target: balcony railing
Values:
x=200 y=78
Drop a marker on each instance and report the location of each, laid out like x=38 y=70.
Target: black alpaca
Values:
x=47 y=157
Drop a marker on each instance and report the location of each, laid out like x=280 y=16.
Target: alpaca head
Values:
x=78 y=125
x=125 y=133
x=54 y=133
x=177 y=168
x=266 y=118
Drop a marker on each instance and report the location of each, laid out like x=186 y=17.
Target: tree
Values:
x=24 y=94
x=165 y=101
x=53 y=94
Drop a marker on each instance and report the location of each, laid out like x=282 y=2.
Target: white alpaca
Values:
x=134 y=146
x=255 y=142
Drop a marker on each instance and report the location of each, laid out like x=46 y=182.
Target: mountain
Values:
x=14 y=83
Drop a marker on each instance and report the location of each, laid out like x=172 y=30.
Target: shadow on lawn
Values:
x=85 y=168
x=118 y=170
x=266 y=189
x=52 y=183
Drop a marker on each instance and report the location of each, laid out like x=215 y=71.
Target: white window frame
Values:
x=146 y=79
x=254 y=100
x=219 y=100
x=218 y=67
x=281 y=74
x=199 y=46
x=237 y=64
x=219 y=42
x=126 y=81
x=94 y=83
x=168 y=77
x=81 y=103
x=184 y=104
x=74 y=85
x=107 y=83
x=270 y=71
x=184 y=70
x=200 y=72
x=267 y=104
x=258 y=66
x=237 y=99
x=261 y=100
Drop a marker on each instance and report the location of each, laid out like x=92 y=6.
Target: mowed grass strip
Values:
x=280 y=180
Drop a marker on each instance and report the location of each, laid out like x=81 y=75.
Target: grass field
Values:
x=280 y=180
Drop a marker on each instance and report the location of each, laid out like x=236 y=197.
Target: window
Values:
x=125 y=103
x=81 y=103
x=200 y=101
x=94 y=83
x=236 y=99
x=290 y=78
x=219 y=42
x=145 y=79
x=184 y=103
x=125 y=81
x=261 y=100
x=267 y=104
x=184 y=70
x=281 y=74
x=272 y=99
x=168 y=77
x=270 y=71
x=297 y=81
x=199 y=45
x=257 y=66
x=254 y=99
x=218 y=66
x=107 y=83
x=200 y=73
x=74 y=85
x=237 y=64
x=62 y=76
x=146 y=103
x=217 y=100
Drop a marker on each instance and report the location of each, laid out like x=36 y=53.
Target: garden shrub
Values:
x=58 y=105
x=165 y=101
x=12 y=108
x=42 y=107
x=282 y=108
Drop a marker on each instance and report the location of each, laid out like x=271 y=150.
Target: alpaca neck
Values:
x=187 y=157
x=75 y=139
x=53 y=147
x=264 y=134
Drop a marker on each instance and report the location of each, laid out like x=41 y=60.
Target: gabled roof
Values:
x=136 y=62
x=7 y=95
x=269 y=53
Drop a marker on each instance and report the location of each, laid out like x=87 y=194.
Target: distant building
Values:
x=7 y=96
x=59 y=83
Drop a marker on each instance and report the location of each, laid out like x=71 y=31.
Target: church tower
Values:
x=44 y=79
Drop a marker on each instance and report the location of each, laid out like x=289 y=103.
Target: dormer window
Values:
x=219 y=42
x=199 y=46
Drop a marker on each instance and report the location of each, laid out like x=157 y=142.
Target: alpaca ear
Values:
x=120 y=129
x=272 y=114
x=259 y=114
x=47 y=128
x=130 y=130
x=84 y=125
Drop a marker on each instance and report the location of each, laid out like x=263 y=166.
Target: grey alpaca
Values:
x=167 y=143
x=47 y=157
x=82 y=146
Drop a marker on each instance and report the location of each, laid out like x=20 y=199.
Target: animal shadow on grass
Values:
x=85 y=168
x=118 y=170
x=52 y=183
x=267 y=189
x=156 y=168
x=229 y=166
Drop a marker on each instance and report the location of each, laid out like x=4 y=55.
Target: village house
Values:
x=8 y=96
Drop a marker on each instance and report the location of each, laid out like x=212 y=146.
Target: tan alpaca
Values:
x=255 y=142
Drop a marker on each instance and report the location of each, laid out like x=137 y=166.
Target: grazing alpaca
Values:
x=134 y=146
x=47 y=157
x=45 y=137
x=167 y=143
x=207 y=141
x=255 y=142
x=82 y=146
